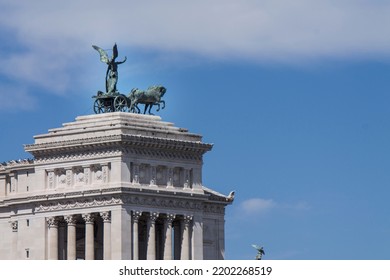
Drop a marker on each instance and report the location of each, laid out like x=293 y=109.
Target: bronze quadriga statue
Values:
x=114 y=101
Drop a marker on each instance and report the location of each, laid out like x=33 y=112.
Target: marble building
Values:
x=111 y=186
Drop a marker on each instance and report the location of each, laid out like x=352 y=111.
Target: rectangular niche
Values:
x=144 y=174
x=161 y=175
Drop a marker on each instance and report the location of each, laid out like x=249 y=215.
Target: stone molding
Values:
x=136 y=142
x=16 y=163
x=157 y=154
x=212 y=208
x=57 y=157
x=165 y=203
x=77 y=204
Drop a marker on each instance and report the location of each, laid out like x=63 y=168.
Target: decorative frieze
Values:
x=77 y=204
x=118 y=200
x=82 y=156
x=215 y=209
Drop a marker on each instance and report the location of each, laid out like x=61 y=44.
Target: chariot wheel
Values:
x=120 y=103
x=98 y=106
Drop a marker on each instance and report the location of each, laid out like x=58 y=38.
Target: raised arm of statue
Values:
x=123 y=61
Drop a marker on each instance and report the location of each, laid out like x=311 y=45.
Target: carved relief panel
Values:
x=100 y=173
x=78 y=176
x=159 y=175
x=61 y=177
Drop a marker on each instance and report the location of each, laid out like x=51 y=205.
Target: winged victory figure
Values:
x=112 y=67
x=260 y=251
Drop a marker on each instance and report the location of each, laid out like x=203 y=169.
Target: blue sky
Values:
x=294 y=95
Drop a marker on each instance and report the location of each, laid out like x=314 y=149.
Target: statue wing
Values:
x=114 y=51
x=103 y=55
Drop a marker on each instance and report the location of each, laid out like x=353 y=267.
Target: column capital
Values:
x=136 y=215
x=153 y=216
x=70 y=219
x=187 y=219
x=89 y=218
x=170 y=217
x=52 y=222
x=106 y=216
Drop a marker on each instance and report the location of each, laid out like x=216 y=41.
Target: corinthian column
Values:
x=52 y=223
x=106 y=216
x=71 y=221
x=89 y=237
x=168 y=236
x=151 y=252
x=185 y=246
x=136 y=215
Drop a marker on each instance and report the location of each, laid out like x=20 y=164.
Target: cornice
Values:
x=21 y=163
x=117 y=196
x=130 y=141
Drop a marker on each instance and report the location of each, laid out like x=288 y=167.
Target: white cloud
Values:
x=52 y=38
x=261 y=206
x=260 y=29
x=257 y=205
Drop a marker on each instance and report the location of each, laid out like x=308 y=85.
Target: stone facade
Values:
x=111 y=186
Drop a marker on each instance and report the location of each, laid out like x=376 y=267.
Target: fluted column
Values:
x=71 y=221
x=136 y=215
x=89 y=237
x=168 y=236
x=151 y=223
x=52 y=223
x=185 y=246
x=106 y=216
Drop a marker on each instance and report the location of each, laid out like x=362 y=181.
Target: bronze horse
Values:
x=151 y=96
